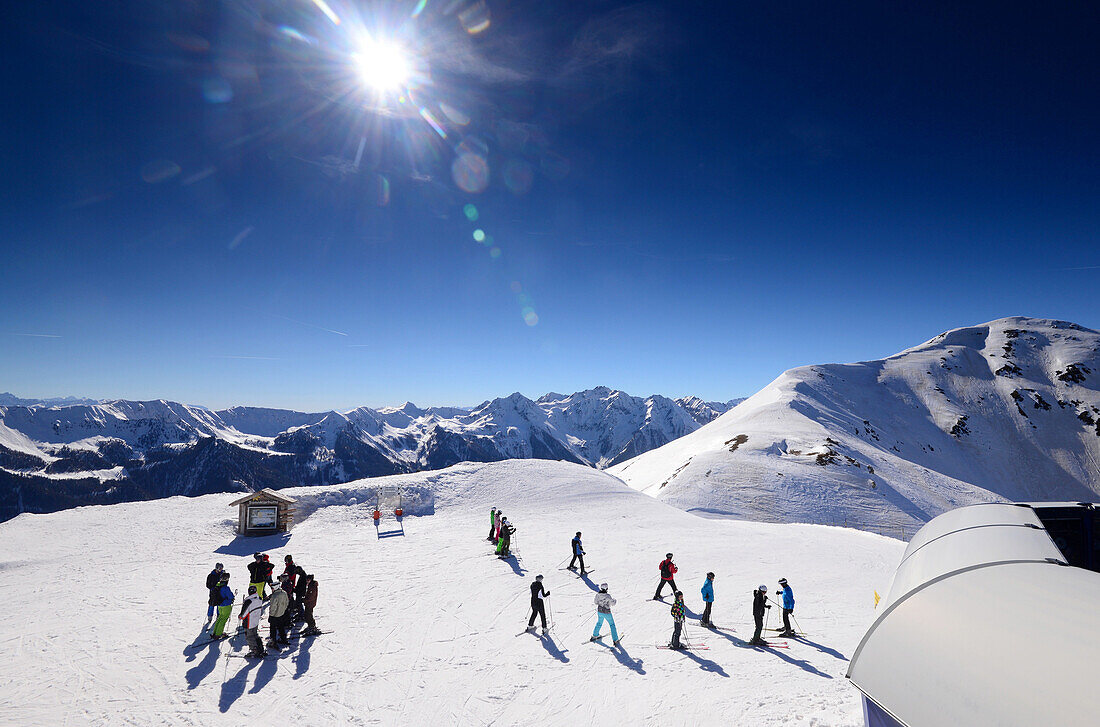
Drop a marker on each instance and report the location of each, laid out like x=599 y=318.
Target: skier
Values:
x=677 y=620
x=213 y=583
x=759 y=603
x=278 y=614
x=578 y=554
x=291 y=571
x=265 y=571
x=492 y=523
x=538 y=607
x=309 y=603
x=788 y=607
x=668 y=569
x=708 y=598
x=300 y=587
x=250 y=615
x=506 y=530
x=225 y=607
x=496 y=528
x=604 y=602
x=256 y=573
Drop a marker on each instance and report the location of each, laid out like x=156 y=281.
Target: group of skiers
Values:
x=500 y=532
x=291 y=599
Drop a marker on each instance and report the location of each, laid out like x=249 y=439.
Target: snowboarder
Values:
x=225 y=607
x=309 y=603
x=604 y=602
x=492 y=524
x=788 y=607
x=677 y=620
x=708 y=598
x=506 y=530
x=278 y=614
x=759 y=603
x=213 y=584
x=256 y=573
x=578 y=554
x=538 y=607
x=250 y=615
x=668 y=569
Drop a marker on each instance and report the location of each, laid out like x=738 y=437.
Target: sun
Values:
x=383 y=66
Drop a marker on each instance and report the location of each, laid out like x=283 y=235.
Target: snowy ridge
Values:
x=426 y=627
x=1005 y=411
x=167 y=448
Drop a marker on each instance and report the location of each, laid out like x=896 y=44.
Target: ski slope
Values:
x=1006 y=411
x=428 y=626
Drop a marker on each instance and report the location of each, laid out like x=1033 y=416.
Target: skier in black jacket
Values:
x=213 y=585
x=759 y=603
x=578 y=554
x=538 y=607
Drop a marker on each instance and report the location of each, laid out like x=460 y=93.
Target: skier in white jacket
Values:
x=250 y=615
x=604 y=602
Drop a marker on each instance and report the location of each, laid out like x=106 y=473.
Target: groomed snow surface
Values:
x=106 y=602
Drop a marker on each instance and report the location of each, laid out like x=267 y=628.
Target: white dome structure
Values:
x=988 y=624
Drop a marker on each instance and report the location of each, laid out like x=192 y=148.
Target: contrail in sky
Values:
x=35 y=335
x=310 y=325
x=251 y=358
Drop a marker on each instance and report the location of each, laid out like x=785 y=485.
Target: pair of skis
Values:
x=577 y=573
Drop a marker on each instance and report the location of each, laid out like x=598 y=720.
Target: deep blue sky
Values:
x=691 y=197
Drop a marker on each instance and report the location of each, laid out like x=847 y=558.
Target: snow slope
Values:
x=427 y=625
x=1004 y=411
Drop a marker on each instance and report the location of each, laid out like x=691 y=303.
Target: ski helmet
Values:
x=538 y=578
x=710 y=575
x=218 y=566
x=578 y=533
x=603 y=586
x=266 y=559
x=782 y=581
x=224 y=578
x=679 y=594
x=257 y=556
x=763 y=589
x=251 y=590
x=668 y=555
x=288 y=559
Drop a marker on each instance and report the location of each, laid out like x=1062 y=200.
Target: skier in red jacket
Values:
x=668 y=569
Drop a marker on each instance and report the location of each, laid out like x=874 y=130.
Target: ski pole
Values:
x=551 y=608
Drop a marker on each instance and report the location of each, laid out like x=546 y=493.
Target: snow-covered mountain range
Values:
x=53 y=457
x=1004 y=411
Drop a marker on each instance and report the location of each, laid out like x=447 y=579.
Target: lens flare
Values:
x=470 y=172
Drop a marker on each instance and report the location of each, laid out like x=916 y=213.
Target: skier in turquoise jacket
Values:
x=708 y=598
x=788 y=607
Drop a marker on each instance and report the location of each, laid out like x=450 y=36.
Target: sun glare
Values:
x=382 y=66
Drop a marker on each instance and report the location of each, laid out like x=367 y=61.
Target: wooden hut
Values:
x=264 y=512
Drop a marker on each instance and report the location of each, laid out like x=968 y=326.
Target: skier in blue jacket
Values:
x=225 y=607
x=578 y=554
x=708 y=598
x=788 y=607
